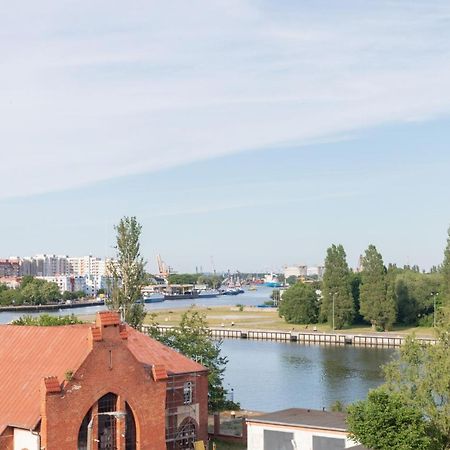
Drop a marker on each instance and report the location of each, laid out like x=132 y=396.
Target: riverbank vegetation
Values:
x=32 y=291
x=412 y=409
x=381 y=296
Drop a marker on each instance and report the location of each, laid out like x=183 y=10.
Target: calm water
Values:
x=267 y=376
x=249 y=298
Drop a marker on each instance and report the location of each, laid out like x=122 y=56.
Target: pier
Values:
x=302 y=337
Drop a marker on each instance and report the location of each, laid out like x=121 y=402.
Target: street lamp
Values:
x=116 y=414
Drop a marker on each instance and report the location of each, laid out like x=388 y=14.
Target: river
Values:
x=249 y=298
x=267 y=375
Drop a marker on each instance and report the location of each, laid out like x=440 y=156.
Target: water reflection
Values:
x=268 y=376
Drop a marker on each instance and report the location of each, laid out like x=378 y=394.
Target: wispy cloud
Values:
x=96 y=91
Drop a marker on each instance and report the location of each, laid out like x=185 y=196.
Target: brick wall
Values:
x=110 y=367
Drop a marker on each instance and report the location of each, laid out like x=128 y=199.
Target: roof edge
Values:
x=285 y=424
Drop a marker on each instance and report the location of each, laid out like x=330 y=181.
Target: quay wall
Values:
x=308 y=337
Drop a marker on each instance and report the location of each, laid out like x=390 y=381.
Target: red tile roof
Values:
x=28 y=354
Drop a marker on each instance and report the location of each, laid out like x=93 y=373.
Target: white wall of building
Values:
x=303 y=437
x=25 y=439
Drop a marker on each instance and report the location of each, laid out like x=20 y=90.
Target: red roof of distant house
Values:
x=30 y=353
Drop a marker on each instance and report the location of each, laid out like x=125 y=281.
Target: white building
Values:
x=295 y=271
x=88 y=266
x=44 y=265
x=68 y=283
x=295 y=429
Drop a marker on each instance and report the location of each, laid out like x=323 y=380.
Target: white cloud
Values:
x=105 y=89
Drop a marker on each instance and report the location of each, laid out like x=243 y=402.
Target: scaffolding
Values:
x=182 y=411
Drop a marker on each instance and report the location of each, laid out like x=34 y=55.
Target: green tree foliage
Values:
x=127 y=272
x=299 y=304
x=46 y=320
x=414 y=296
x=193 y=339
x=385 y=422
x=32 y=291
x=421 y=377
x=336 y=282
x=355 y=283
x=445 y=270
x=212 y=281
x=73 y=295
x=291 y=280
x=376 y=307
x=183 y=278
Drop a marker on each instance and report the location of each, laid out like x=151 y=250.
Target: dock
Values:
x=313 y=337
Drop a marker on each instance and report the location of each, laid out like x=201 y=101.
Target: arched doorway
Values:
x=106 y=421
x=186 y=434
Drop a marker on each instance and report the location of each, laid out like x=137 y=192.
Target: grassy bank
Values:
x=265 y=319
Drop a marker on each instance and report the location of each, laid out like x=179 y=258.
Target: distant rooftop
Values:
x=306 y=418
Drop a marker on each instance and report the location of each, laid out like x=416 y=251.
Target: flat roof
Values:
x=311 y=418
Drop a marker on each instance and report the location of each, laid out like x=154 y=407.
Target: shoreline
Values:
x=50 y=307
x=302 y=337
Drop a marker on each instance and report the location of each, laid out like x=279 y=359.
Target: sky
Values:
x=242 y=134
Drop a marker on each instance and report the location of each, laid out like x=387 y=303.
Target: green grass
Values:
x=266 y=319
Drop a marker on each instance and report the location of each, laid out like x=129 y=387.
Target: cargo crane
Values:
x=163 y=269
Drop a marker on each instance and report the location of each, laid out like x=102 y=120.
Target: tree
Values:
x=193 y=339
x=183 y=278
x=299 y=304
x=445 y=270
x=212 y=281
x=355 y=283
x=128 y=273
x=376 y=307
x=421 y=377
x=291 y=280
x=385 y=422
x=414 y=296
x=336 y=289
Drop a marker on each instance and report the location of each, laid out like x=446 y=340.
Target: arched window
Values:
x=130 y=430
x=107 y=429
x=186 y=434
x=107 y=438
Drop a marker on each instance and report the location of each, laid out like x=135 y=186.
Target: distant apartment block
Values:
x=9 y=268
x=85 y=273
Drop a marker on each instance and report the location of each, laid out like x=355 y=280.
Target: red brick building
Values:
x=102 y=386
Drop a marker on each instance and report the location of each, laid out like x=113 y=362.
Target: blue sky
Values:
x=255 y=132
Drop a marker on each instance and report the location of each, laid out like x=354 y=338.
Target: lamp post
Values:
x=116 y=414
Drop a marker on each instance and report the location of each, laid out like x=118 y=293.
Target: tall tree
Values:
x=299 y=304
x=336 y=289
x=376 y=307
x=445 y=269
x=127 y=273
